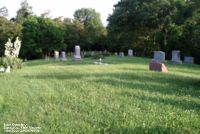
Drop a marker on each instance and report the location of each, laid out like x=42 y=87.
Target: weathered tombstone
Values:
x=17 y=46
x=84 y=53
x=46 y=57
x=56 y=55
x=116 y=54
x=77 y=53
x=157 y=66
x=130 y=52
x=63 y=56
x=189 y=59
x=121 y=54
x=176 y=57
x=8 y=48
x=92 y=53
x=159 y=56
x=12 y=50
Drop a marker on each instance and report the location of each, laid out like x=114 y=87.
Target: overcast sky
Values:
x=63 y=8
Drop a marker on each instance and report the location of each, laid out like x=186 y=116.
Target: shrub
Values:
x=97 y=56
x=14 y=63
x=87 y=55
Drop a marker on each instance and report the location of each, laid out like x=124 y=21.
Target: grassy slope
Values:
x=123 y=97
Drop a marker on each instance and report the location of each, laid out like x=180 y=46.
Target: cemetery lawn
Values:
x=122 y=97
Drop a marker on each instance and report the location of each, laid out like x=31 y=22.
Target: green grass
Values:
x=122 y=97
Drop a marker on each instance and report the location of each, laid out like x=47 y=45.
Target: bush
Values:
x=98 y=56
x=14 y=63
x=87 y=55
x=106 y=54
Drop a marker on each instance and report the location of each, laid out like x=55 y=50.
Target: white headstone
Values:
x=8 y=48
x=159 y=56
x=130 y=52
x=176 y=57
x=7 y=70
x=12 y=50
x=116 y=54
x=63 y=56
x=2 y=69
x=17 y=46
x=189 y=59
x=56 y=55
x=77 y=53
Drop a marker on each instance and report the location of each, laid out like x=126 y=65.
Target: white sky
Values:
x=65 y=8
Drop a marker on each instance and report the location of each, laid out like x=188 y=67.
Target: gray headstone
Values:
x=121 y=54
x=116 y=54
x=46 y=57
x=63 y=56
x=77 y=53
x=159 y=56
x=92 y=53
x=130 y=52
x=56 y=55
x=176 y=57
x=189 y=59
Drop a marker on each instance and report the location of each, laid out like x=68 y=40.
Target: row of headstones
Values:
x=62 y=57
x=160 y=57
x=157 y=63
x=77 y=54
x=121 y=54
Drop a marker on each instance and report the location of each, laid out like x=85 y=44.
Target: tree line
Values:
x=143 y=25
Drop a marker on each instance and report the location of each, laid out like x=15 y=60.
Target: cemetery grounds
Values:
x=121 y=97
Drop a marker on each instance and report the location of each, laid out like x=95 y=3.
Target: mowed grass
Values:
x=122 y=97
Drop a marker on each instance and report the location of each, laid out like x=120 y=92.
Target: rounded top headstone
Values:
x=77 y=47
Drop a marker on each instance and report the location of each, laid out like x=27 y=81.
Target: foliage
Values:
x=98 y=56
x=122 y=97
x=14 y=63
x=92 y=29
x=40 y=36
x=24 y=12
x=8 y=29
x=144 y=26
x=150 y=25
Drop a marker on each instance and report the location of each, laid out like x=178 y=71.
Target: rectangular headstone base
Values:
x=176 y=62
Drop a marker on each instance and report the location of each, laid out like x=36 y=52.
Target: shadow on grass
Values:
x=58 y=62
x=165 y=84
x=184 y=104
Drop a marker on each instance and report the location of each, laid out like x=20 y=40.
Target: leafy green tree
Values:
x=74 y=31
x=23 y=12
x=88 y=21
x=41 y=36
x=138 y=22
x=150 y=25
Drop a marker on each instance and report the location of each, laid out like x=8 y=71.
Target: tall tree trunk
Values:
x=165 y=39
